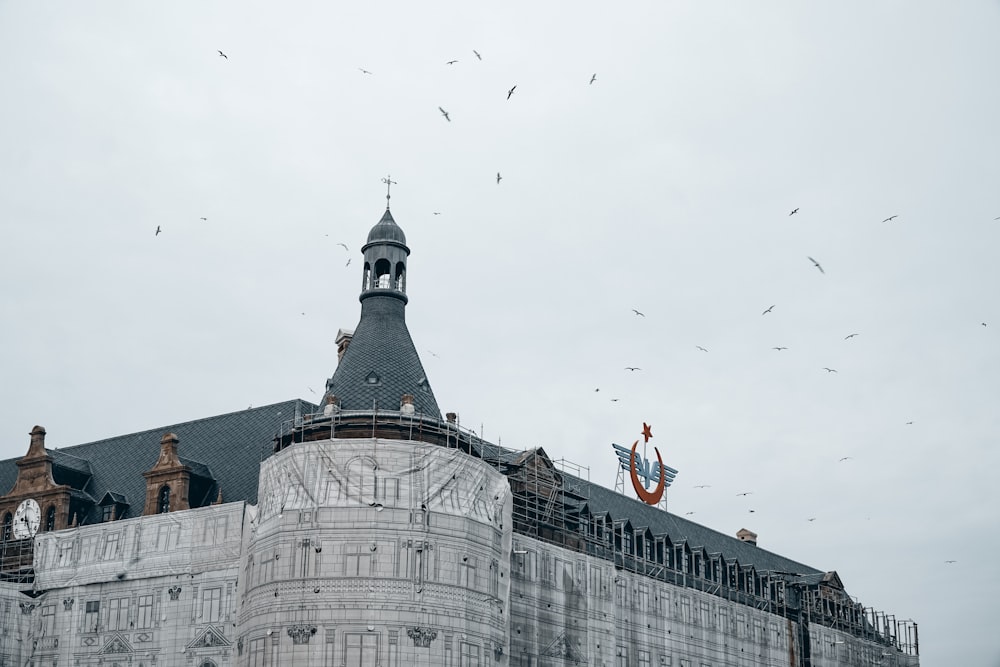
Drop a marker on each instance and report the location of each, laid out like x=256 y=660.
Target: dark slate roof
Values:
x=381 y=363
x=227 y=447
x=600 y=500
x=386 y=229
x=197 y=468
x=70 y=462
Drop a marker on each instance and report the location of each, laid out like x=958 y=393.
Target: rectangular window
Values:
x=620 y=591
x=357 y=560
x=145 y=619
x=643 y=658
x=467 y=572
x=388 y=491
x=393 y=648
x=118 y=614
x=470 y=655
x=360 y=650
x=110 y=546
x=685 y=609
x=108 y=513
x=65 y=553
x=643 y=598
x=48 y=619
x=703 y=614
x=741 y=625
x=211 y=605
x=91 y=616
x=257 y=653
x=622 y=657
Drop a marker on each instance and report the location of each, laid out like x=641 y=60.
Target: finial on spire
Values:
x=388 y=184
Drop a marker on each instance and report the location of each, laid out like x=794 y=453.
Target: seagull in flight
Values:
x=451 y=62
x=701 y=348
x=615 y=400
x=477 y=54
x=890 y=218
x=638 y=314
x=344 y=246
x=632 y=368
x=811 y=519
x=794 y=211
x=157 y=231
x=445 y=114
x=850 y=336
x=829 y=370
x=203 y=219
x=311 y=389
x=688 y=513
x=703 y=486
x=745 y=493
x=499 y=178
x=768 y=310
x=510 y=92
x=223 y=55
x=363 y=70
x=348 y=263
x=845 y=458
x=594 y=78
x=816 y=264
x=779 y=349
x=437 y=212
x=950 y=561
x=908 y=423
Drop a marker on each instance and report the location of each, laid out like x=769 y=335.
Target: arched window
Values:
x=383 y=274
x=163 y=501
x=8 y=522
x=366 y=281
x=50 y=519
x=400 y=277
x=207 y=663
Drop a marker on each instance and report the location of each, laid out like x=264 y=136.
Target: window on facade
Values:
x=92 y=612
x=108 y=513
x=211 y=605
x=145 y=617
x=467 y=572
x=470 y=655
x=48 y=619
x=643 y=658
x=360 y=650
x=256 y=653
x=358 y=560
x=8 y=522
x=118 y=614
x=163 y=500
x=621 y=657
x=50 y=519
x=110 y=546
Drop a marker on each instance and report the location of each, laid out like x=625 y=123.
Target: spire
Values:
x=381 y=365
x=388 y=184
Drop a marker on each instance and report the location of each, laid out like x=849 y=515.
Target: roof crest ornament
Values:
x=388 y=184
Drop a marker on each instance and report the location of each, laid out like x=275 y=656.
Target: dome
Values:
x=386 y=230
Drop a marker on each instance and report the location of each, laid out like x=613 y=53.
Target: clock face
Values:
x=27 y=518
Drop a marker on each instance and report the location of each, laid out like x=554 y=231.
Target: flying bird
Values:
x=157 y=231
x=203 y=218
x=768 y=310
x=890 y=218
x=779 y=349
x=598 y=389
x=751 y=511
x=811 y=519
x=437 y=212
x=451 y=62
x=510 y=92
x=794 y=211
x=348 y=263
x=983 y=323
x=951 y=561
x=311 y=389
x=344 y=246
x=477 y=54
x=745 y=493
x=594 y=78
x=845 y=458
x=632 y=368
x=615 y=400
x=829 y=370
x=850 y=336
x=223 y=55
x=908 y=423
x=499 y=178
x=638 y=313
x=445 y=114
x=703 y=486
x=816 y=264
x=688 y=513
x=363 y=70
x=701 y=348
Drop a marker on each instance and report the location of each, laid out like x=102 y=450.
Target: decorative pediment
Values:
x=562 y=647
x=117 y=644
x=210 y=637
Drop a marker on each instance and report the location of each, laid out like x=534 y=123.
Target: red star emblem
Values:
x=647 y=433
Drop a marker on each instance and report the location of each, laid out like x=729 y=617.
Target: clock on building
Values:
x=27 y=518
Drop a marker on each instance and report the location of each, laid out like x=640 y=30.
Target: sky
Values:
x=719 y=148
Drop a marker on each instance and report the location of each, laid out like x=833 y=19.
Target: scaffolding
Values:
x=16 y=560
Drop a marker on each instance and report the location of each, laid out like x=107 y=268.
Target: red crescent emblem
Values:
x=648 y=497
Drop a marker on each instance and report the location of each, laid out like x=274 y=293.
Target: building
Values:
x=371 y=531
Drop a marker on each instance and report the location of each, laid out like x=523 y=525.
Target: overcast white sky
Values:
x=664 y=186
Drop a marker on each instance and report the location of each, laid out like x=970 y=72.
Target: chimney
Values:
x=343 y=340
x=451 y=417
x=406 y=404
x=744 y=535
